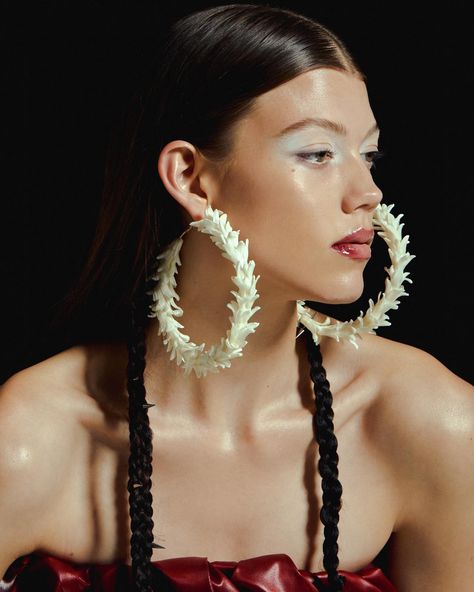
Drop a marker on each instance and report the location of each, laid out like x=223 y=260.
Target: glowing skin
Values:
x=292 y=210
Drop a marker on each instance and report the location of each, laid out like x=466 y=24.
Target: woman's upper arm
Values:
x=29 y=466
x=433 y=545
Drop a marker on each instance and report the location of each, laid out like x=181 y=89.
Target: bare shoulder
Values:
x=49 y=393
x=421 y=405
x=40 y=437
x=420 y=400
x=423 y=421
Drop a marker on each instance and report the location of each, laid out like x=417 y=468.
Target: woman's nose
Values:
x=361 y=189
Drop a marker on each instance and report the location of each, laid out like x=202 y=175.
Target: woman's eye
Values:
x=373 y=156
x=318 y=154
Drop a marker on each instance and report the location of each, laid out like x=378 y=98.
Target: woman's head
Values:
x=226 y=81
x=289 y=201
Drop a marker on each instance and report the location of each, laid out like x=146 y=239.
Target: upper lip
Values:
x=362 y=235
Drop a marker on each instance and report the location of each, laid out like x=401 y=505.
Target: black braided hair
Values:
x=140 y=460
x=323 y=429
x=141 y=447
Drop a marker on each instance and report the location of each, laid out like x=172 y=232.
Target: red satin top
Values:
x=38 y=572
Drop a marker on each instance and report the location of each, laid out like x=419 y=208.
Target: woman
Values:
x=211 y=475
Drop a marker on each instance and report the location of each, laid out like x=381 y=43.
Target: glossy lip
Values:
x=361 y=235
x=353 y=250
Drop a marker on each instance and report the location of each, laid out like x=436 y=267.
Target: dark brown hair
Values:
x=211 y=67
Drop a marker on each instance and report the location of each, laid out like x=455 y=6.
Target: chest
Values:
x=209 y=501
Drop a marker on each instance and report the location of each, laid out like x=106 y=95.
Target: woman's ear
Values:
x=179 y=167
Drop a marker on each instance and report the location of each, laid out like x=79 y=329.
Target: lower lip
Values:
x=353 y=250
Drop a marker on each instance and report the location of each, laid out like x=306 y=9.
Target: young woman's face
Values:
x=293 y=204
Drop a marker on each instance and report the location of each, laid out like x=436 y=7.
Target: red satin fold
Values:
x=39 y=572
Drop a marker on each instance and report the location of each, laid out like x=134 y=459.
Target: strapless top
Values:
x=39 y=572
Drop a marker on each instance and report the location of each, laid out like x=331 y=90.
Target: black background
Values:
x=70 y=69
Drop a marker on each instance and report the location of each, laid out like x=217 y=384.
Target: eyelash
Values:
x=375 y=154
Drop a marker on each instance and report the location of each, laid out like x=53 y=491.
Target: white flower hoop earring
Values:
x=389 y=228
x=164 y=308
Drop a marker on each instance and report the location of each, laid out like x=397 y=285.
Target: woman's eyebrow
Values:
x=334 y=126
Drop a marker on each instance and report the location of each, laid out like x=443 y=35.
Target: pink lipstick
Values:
x=355 y=245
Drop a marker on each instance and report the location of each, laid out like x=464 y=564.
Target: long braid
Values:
x=140 y=460
x=141 y=447
x=323 y=429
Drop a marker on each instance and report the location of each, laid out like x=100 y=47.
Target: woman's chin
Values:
x=347 y=295
x=340 y=301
